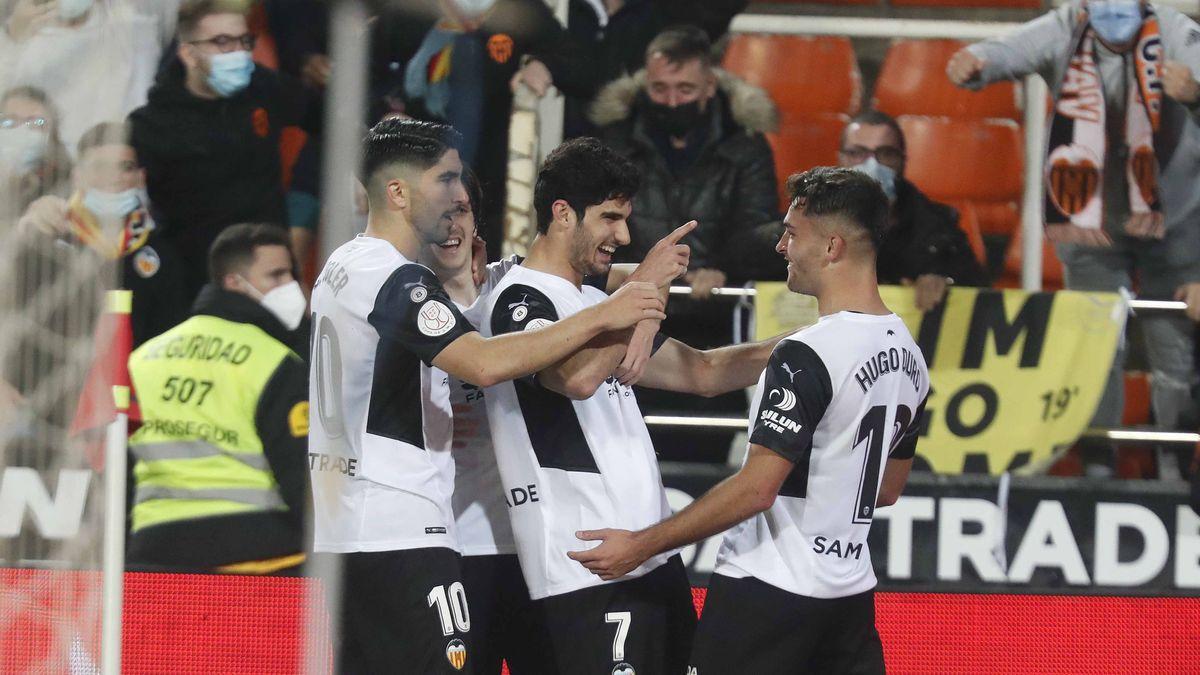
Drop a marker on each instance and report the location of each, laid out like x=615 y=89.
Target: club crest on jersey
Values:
x=435 y=319
x=146 y=262
x=787 y=400
x=537 y=323
x=623 y=668
x=456 y=654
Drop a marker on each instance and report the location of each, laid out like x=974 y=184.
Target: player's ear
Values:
x=564 y=215
x=398 y=193
x=835 y=247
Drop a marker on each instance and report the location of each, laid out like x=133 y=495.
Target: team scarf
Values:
x=1077 y=141
x=109 y=243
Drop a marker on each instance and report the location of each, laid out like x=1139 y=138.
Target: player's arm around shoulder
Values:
x=676 y=366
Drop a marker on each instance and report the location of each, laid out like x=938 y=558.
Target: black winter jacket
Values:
x=729 y=189
x=925 y=239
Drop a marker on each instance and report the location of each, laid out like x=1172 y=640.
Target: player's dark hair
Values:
x=682 y=43
x=874 y=118
x=844 y=193
x=582 y=172
x=406 y=141
x=474 y=197
x=233 y=249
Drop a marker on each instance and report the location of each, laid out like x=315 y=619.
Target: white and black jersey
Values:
x=566 y=465
x=380 y=434
x=837 y=399
x=481 y=516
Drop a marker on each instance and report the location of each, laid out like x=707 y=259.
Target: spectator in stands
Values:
x=456 y=66
x=95 y=58
x=615 y=33
x=301 y=30
x=209 y=136
x=1119 y=112
x=221 y=472
x=108 y=218
x=923 y=246
x=696 y=133
x=33 y=161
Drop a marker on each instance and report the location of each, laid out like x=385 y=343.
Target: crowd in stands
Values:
x=137 y=131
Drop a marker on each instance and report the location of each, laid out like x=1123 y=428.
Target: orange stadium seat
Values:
x=265 y=52
x=1137 y=398
x=804 y=75
x=1052 y=269
x=959 y=160
x=912 y=81
x=968 y=222
x=998 y=4
x=802 y=142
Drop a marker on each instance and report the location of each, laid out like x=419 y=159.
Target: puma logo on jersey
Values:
x=787 y=400
x=791 y=373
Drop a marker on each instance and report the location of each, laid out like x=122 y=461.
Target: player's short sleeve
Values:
x=520 y=307
x=413 y=310
x=906 y=446
x=795 y=392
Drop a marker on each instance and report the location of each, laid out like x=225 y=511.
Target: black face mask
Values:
x=676 y=122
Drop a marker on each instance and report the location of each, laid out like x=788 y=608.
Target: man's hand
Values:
x=667 y=260
x=478 y=260
x=28 y=17
x=964 y=67
x=46 y=215
x=703 y=281
x=928 y=290
x=1073 y=234
x=316 y=71
x=1190 y=293
x=1178 y=83
x=638 y=354
x=535 y=75
x=633 y=302
x=1146 y=225
x=616 y=557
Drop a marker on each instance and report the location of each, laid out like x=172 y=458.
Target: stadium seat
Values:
x=803 y=75
x=1052 y=269
x=265 y=52
x=997 y=4
x=1137 y=398
x=291 y=141
x=912 y=81
x=802 y=142
x=957 y=160
x=968 y=222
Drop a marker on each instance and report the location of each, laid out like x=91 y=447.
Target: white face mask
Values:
x=883 y=174
x=474 y=8
x=69 y=10
x=113 y=205
x=22 y=149
x=286 y=302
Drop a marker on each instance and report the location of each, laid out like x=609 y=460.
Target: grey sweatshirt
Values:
x=1043 y=46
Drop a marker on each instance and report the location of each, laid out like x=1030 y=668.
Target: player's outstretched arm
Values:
x=678 y=367
x=750 y=491
x=488 y=361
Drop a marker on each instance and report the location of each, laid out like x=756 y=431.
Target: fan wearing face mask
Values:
x=221 y=459
x=33 y=161
x=108 y=218
x=922 y=246
x=1122 y=157
x=209 y=135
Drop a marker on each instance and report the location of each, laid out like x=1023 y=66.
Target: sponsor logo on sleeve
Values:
x=418 y=293
x=435 y=319
x=787 y=399
x=537 y=323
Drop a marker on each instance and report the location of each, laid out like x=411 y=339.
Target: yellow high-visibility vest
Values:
x=198 y=452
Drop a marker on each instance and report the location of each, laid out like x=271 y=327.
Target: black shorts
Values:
x=505 y=623
x=404 y=611
x=643 y=626
x=749 y=626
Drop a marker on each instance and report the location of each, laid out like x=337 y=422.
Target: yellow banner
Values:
x=1015 y=376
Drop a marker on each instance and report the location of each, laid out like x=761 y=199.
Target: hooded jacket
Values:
x=729 y=187
x=925 y=239
x=212 y=163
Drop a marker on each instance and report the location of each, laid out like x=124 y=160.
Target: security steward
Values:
x=221 y=480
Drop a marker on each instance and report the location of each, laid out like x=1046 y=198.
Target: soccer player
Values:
x=379 y=442
x=571 y=445
x=833 y=431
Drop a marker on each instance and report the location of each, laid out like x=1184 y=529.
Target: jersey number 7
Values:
x=870 y=432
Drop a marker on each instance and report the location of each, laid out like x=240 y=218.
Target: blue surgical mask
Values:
x=883 y=174
x=22 y=150
x=230 y=73
x=111 y=206
x=1115 y=21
